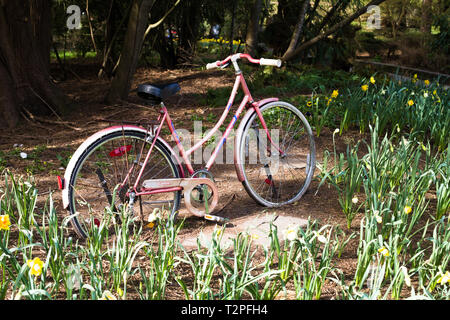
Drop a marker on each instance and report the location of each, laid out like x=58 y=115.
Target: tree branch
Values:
x=154 y=25
x=330 y=31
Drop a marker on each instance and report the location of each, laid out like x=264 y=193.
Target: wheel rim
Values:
x=273 y=178
x=103 y=169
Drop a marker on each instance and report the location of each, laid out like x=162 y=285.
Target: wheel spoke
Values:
x=94 y=180
x=284 y=179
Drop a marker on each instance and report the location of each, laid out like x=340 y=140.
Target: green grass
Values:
x=70 y=55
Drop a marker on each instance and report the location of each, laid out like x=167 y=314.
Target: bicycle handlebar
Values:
x=262 y=61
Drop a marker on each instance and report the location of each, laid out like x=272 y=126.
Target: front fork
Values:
x=264 y=160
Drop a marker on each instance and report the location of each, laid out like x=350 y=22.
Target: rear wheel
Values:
x=278 y=172
x=102 y=168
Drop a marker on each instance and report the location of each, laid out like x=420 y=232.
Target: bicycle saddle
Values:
x=156 y=93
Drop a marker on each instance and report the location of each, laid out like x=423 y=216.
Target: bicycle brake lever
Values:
x=225 y=65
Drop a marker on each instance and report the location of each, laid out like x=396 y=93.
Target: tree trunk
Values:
x=426 y=17
x=25 y=42
x=233 y=14
x=328 y=32
x=131 y=50
x=298 y=30
x=251 y=40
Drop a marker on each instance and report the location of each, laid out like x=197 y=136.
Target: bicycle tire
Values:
x=251 y=183
x=89 y=150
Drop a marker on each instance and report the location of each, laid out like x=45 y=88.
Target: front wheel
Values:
x=279 y=169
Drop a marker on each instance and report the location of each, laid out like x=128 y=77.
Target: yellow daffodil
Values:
x=410 y=103
x=4 y=222
x=335 y=94
x=107 y=295
x=365 y=87
x=427 y=82
x=379 y=219
x=434 y=91
x=35 y=266
x=445 y=278
x=309 y=103
x=384 y=251
x=407 y=210
x=290 y=233
x=255 y=236
x=372 y=80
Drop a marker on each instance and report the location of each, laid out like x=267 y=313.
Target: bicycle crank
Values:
x=190 y=185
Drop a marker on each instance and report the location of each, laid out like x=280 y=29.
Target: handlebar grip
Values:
x=270 y=62
x=212 y=65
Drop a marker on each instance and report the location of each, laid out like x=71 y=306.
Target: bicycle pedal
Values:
x=215 y=218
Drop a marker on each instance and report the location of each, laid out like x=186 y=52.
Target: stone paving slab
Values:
x=258 y=226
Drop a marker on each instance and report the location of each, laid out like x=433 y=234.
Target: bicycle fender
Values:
x=96 y=136
x=240 y=130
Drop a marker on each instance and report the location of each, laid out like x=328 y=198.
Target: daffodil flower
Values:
x=427 y=82
x=410 y=103
x=384 y=251
x=290 y=233
x=378 y=217
x=364 y=87
x=155 y=215
x=407 y=209
x=255 y=236
x=335 y=94
x=372 y=80
x=4 y=222
x=321 y=238
x=35 y=266
x=107 y=295
x=355 y=200
x=445 y=278
x=407 y=278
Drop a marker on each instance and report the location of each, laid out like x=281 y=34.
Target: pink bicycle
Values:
x=274 y=158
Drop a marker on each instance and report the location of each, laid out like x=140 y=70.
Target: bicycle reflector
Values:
x=120 y=151
x=60 y=183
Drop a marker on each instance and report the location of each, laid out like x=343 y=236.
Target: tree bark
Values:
x=426 y=17
x=295 y=53
x=25 y=42
x=233 y=14
x=251 y=40
x=298 y=30
x=131 y=50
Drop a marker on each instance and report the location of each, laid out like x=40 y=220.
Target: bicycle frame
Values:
x=164 y=118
